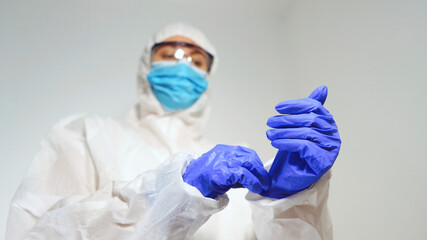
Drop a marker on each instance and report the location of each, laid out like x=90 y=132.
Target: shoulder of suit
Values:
x=83 y=125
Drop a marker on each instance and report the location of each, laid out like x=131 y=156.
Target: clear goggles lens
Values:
x=177 y=51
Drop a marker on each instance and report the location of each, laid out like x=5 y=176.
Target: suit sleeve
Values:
x=61 y=196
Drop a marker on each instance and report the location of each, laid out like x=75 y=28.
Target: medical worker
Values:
x=154 y=176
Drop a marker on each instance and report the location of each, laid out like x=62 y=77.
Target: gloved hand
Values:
x=308 y=142
x=225 y=167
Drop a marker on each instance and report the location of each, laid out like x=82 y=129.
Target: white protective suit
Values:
x=95 y=178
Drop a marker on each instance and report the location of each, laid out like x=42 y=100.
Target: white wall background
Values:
x=58 y=58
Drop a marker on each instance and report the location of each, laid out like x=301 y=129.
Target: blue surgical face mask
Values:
x=176 y=85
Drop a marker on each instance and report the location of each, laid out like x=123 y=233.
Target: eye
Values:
x=167 y=56
x=164 y=53
x=198 y=60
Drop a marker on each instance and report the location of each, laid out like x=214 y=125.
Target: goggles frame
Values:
x=185 y=44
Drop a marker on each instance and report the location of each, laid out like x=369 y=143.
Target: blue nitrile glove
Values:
x=225 y=167
x=308 y=142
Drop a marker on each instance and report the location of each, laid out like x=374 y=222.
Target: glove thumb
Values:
x=319 y=94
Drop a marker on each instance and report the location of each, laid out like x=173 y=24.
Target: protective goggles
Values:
x=177 y=51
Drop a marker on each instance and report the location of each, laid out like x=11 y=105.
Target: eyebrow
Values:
x=200 y=52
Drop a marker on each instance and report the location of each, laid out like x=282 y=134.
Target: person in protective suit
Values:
x=154 y=176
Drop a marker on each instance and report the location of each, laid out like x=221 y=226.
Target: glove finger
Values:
x=258 y=170
x=302 y=120
x=223 y=177
x=316 y=157
x=303 y=133
x=241 y=155
x=250 y=181
x=245 y=149
x=252 y=163
x=303 y=105
x=320 y=94
x=324 y=142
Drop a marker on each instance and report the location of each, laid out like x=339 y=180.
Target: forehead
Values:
x=179 y=38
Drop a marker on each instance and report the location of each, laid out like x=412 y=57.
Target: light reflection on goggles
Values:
x=176 y=51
